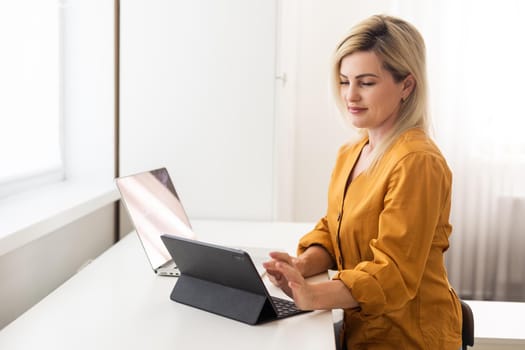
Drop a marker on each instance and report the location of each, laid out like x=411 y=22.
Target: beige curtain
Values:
x=476 y=55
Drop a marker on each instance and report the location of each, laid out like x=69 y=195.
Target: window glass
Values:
x=30 y=132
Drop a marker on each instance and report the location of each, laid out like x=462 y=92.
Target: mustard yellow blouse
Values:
x=387 y=235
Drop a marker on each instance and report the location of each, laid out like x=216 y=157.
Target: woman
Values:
x=387 y=224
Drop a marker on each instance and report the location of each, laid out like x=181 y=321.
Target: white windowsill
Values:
x=29 y=216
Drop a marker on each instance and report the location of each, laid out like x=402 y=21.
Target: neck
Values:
x=374 y=138
x=377 y=134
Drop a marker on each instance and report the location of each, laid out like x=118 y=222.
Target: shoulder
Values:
x=413 y=149
x=411 y=143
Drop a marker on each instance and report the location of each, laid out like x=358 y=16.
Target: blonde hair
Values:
x=401 y=48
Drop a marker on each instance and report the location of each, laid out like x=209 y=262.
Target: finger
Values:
x=270 y=268
x=275 y=274
x=279 y=281
x=274 y=280
x=282 y=256
x=269 y=264
x=289 y=272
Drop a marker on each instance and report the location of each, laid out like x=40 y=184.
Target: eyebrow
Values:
x=364 y=75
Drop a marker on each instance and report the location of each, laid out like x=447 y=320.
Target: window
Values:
x=30 y=131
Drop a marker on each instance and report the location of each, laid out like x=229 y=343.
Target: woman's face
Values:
x=371 y=95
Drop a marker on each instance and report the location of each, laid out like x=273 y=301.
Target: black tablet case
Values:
x=220 y=280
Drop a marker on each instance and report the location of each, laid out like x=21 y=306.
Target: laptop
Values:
x=223 y=281
x=154 y=207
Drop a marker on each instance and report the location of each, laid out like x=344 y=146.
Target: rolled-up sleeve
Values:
x=415 y=195
x=320 y=236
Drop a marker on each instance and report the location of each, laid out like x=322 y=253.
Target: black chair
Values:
x=467 y=331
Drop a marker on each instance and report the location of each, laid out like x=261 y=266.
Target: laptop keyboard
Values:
x=285 y=307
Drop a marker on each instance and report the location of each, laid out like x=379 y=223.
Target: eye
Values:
x=367 y=83
x=342 y=82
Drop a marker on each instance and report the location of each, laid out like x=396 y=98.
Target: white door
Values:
x=197 y=96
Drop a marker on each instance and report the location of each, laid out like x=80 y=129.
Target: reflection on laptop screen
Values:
x=154 y=207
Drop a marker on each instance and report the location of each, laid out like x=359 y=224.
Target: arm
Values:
x=315 y=296
x=313 y=261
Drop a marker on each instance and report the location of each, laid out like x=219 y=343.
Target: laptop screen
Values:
x=155 y=209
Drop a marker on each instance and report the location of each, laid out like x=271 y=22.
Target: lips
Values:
x=356 y=110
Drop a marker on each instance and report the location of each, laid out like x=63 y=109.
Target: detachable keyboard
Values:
x=285 y=307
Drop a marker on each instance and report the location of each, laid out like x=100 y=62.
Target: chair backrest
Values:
x=467 y=331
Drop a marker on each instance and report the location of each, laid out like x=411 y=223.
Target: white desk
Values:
x=498 y=325
x=117 y=302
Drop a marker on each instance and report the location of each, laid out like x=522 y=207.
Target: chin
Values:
x=358 y=124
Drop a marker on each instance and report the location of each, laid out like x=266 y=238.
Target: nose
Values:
x=351 y=93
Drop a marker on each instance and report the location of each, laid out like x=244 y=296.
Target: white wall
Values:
x=31 y=272
x=318 y=130
x=197 y=96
